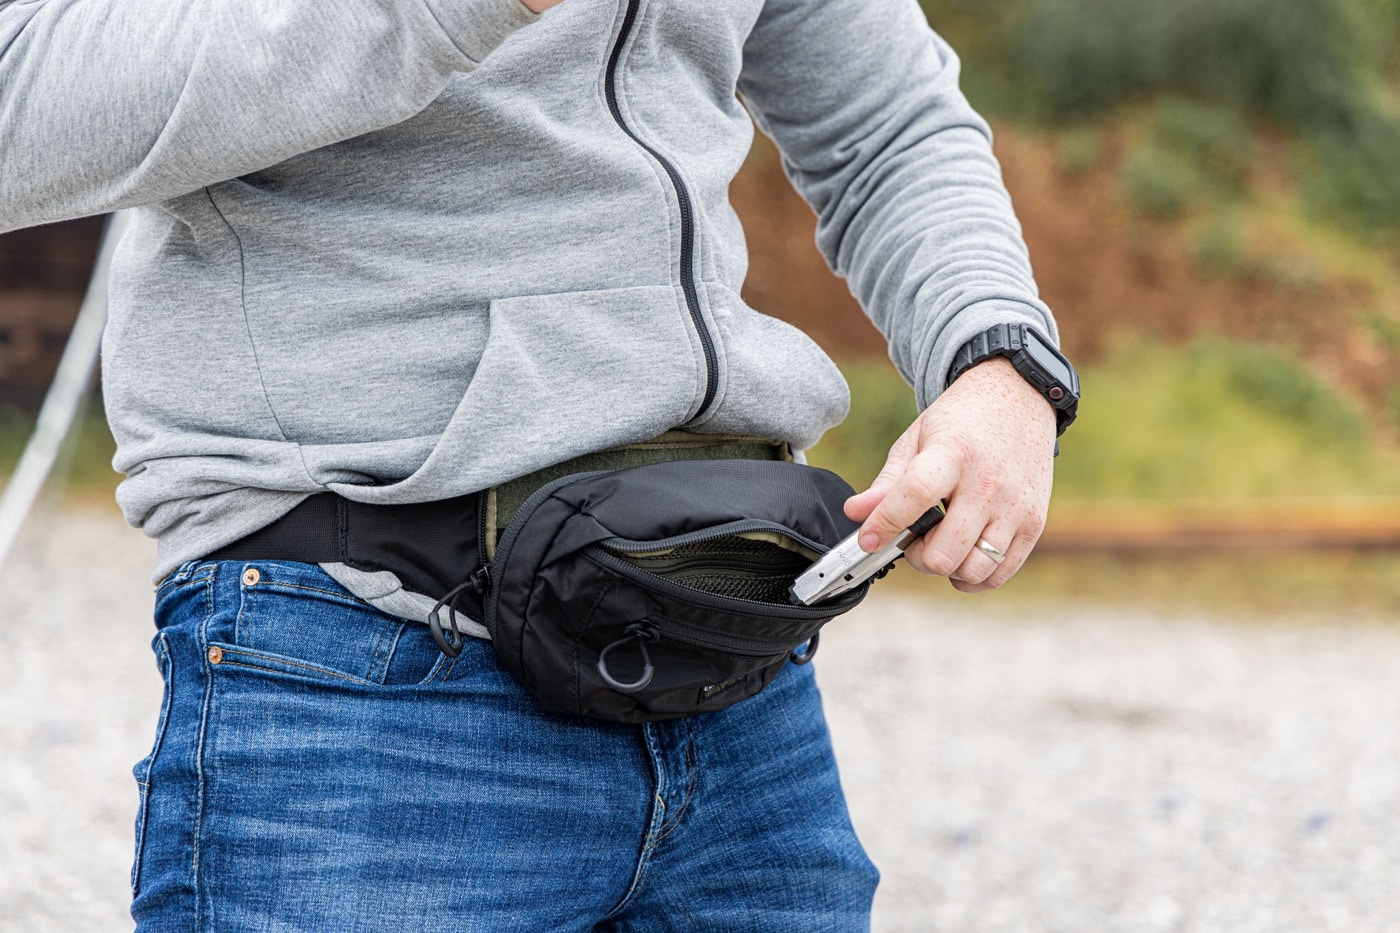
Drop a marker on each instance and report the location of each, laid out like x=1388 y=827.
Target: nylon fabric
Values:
x=593 y=632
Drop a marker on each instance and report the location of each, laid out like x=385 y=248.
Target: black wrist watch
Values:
x=1034 y=358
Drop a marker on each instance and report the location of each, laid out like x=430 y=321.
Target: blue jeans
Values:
x=321 y=766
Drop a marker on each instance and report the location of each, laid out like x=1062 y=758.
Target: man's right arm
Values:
x=113 y=104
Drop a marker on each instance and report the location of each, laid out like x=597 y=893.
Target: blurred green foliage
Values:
x=1215 y=418
x=1160 y=183
x=14 y=430
x=1384 y=328
x=1307 y=63
x=1279 y=386
x=1327 y=70
x=1079 y=150
x=1218 y=248
x=1214 y=139
x=1356 y=175
x=1192 y=152
x=1218 y=419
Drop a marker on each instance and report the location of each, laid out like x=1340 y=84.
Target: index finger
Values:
x=927 y=480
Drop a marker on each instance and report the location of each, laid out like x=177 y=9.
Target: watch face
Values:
x=1049 y=359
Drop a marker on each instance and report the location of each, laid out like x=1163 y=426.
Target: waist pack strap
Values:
x=429 y=546
x=502 y=501
x=433 y=546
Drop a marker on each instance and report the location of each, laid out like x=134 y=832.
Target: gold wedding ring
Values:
x=996 y=555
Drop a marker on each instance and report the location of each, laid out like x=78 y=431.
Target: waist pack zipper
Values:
x=774 y=610
x=682 y=565
x=751 y=647
x=729 y=530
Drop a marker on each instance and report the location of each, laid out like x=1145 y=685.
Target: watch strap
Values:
x=1008 y=340
x=999 y=340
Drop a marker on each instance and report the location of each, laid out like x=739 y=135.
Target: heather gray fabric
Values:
x=401 y=249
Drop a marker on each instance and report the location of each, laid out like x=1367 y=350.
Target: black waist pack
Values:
x=661 y=591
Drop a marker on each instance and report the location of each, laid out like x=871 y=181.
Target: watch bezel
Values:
x=1040 y=352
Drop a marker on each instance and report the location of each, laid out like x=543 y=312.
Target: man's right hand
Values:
x=539 y=6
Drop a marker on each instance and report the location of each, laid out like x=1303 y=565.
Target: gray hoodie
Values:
x=402 y=250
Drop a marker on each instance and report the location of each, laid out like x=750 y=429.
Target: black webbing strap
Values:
x=430 y=546
x=433 y=547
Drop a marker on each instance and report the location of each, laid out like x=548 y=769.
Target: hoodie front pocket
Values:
x=562 y=375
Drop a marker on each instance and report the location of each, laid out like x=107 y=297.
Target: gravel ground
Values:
x=1071 y=772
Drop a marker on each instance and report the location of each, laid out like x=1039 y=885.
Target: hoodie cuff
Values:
x=478 y=27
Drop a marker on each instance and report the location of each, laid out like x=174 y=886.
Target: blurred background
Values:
x=1181 y=714
x=1210 y=190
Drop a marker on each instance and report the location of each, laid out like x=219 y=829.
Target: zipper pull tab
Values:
x=643 y=633
x=451 y=644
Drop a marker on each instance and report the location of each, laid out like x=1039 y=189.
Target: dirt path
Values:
x=1066 y=773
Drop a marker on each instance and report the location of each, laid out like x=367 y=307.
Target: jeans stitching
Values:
x=163 y=722
x=275 y=659
x=653 y=754
x=200 y=789
x=247 y=606
x=692 y=781
x=179 y=575
x=251 y=596
x=339 y=595
x=386 y=645
x=290 y=662
x=446 y=670
x=172 y=585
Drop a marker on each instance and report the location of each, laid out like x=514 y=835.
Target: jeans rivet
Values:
x=216 y=654
x=251 y=576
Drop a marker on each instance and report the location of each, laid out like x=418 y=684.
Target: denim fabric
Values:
x=319 y=765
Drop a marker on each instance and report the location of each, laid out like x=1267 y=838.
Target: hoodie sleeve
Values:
x=862 y=99
x=106 y=104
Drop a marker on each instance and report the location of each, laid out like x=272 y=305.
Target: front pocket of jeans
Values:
x=295 y=620
x=144 y=768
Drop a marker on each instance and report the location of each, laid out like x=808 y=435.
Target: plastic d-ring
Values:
x=642 y=634
x=449 y=645
x=811 y=652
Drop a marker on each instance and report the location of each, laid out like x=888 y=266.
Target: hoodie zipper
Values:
x=687 y=212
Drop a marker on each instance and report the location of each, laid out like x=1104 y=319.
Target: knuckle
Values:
x=962 y=447
x=939 y=563
x=919 y=486
x=881 y=521
x=989 y=481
